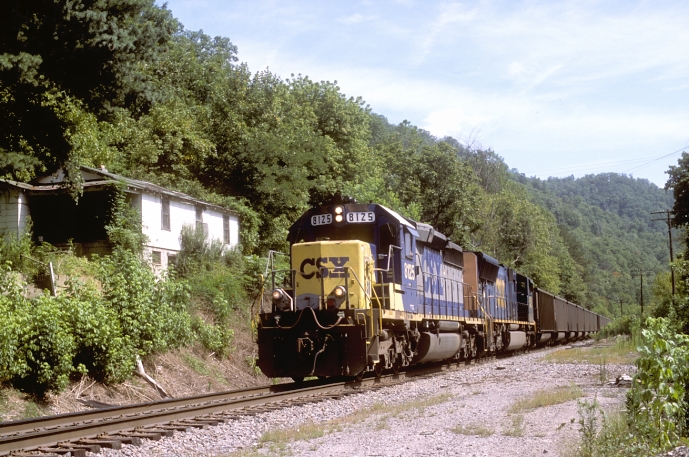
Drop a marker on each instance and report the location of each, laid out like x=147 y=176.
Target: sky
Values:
x=555 y=88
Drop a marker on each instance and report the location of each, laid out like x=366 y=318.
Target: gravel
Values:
x=470 y=418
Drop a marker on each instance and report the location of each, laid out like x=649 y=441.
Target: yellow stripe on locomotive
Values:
x=341 y=272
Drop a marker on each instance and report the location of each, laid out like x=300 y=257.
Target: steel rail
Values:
x=20 y=426
x=52 y=430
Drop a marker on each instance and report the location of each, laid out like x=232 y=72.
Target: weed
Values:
x=382 y=424
x=472 y=429
x=602 y=371
x=251 y=361
x=31 y=410
x=196 y=364
x=516 y=427
x=588 y=426
x=546 y=398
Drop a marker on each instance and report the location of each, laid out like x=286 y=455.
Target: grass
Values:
x=196 y=364
x=4 y=405
x=546 y=397
x=472 y=429
x=201 y=367
x=32 y=410
x=621 y=352
x=516 y=427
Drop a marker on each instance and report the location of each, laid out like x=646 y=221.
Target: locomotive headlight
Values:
x=281 y=300
x=338 y=218
x=339 y=210
x=339 y=292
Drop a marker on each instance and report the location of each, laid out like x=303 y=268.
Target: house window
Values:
x=165 y=214
x=226 y=229
x=199 y=221
x=171 y=260
x=155 y=257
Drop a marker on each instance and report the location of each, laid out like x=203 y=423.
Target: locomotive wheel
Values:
x=359 y=376
x=378 y=369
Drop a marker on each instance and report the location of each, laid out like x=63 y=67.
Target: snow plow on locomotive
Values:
x=369 y=290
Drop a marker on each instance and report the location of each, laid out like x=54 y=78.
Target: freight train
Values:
x=369 y=290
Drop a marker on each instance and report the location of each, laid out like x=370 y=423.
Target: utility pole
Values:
x=669 y=232
x=641 y=275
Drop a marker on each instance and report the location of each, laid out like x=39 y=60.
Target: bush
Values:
x=15 y=249
x=657 y=401
x=101 y=349
x=152 y=313
x=215 y=338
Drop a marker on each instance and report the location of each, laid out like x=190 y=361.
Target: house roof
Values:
x=94 y=177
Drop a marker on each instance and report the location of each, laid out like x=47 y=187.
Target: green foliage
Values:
x=215 y=338
x=657 y=401
x=606 y=225
x=197 y=251
x=152 y=313
x=58 y=59
x=14 y=250
x=124 y=228
x=101 y=350
x=678 y=182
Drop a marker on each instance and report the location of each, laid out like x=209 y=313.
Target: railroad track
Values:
x=111 y=427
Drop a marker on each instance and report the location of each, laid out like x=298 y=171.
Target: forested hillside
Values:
x=607 y=225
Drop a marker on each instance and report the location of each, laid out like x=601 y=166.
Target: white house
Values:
x=59 y=220
x=14 y=208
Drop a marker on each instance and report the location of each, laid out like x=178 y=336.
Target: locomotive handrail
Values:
x=389 y=254
x=445 y=282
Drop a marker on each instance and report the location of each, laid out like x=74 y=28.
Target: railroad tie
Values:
x=189 y=424
x=174 y=428
x=157 y=430
x=64 y=450
x=123 y=438
x=110 y=443
x=138 y=435
x=32 y=454
x=95 y=448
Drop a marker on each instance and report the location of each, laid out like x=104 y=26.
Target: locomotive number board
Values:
x=321 y=219
x=361 y=217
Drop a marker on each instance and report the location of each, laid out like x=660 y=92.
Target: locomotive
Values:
x=369 y=290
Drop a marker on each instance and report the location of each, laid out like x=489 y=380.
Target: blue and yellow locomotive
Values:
x=370 y=290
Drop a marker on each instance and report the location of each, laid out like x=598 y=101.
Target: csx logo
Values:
x=314 y=266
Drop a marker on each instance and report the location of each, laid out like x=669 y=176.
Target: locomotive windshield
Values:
x=361 y=232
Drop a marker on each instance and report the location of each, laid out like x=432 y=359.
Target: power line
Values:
x=655 y=160
x=585 y=167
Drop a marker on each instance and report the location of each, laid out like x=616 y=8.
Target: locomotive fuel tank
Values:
x=514 y=340
x=440 y=346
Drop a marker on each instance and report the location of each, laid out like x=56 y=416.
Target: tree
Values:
x=678 y=182
x=85 y=53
